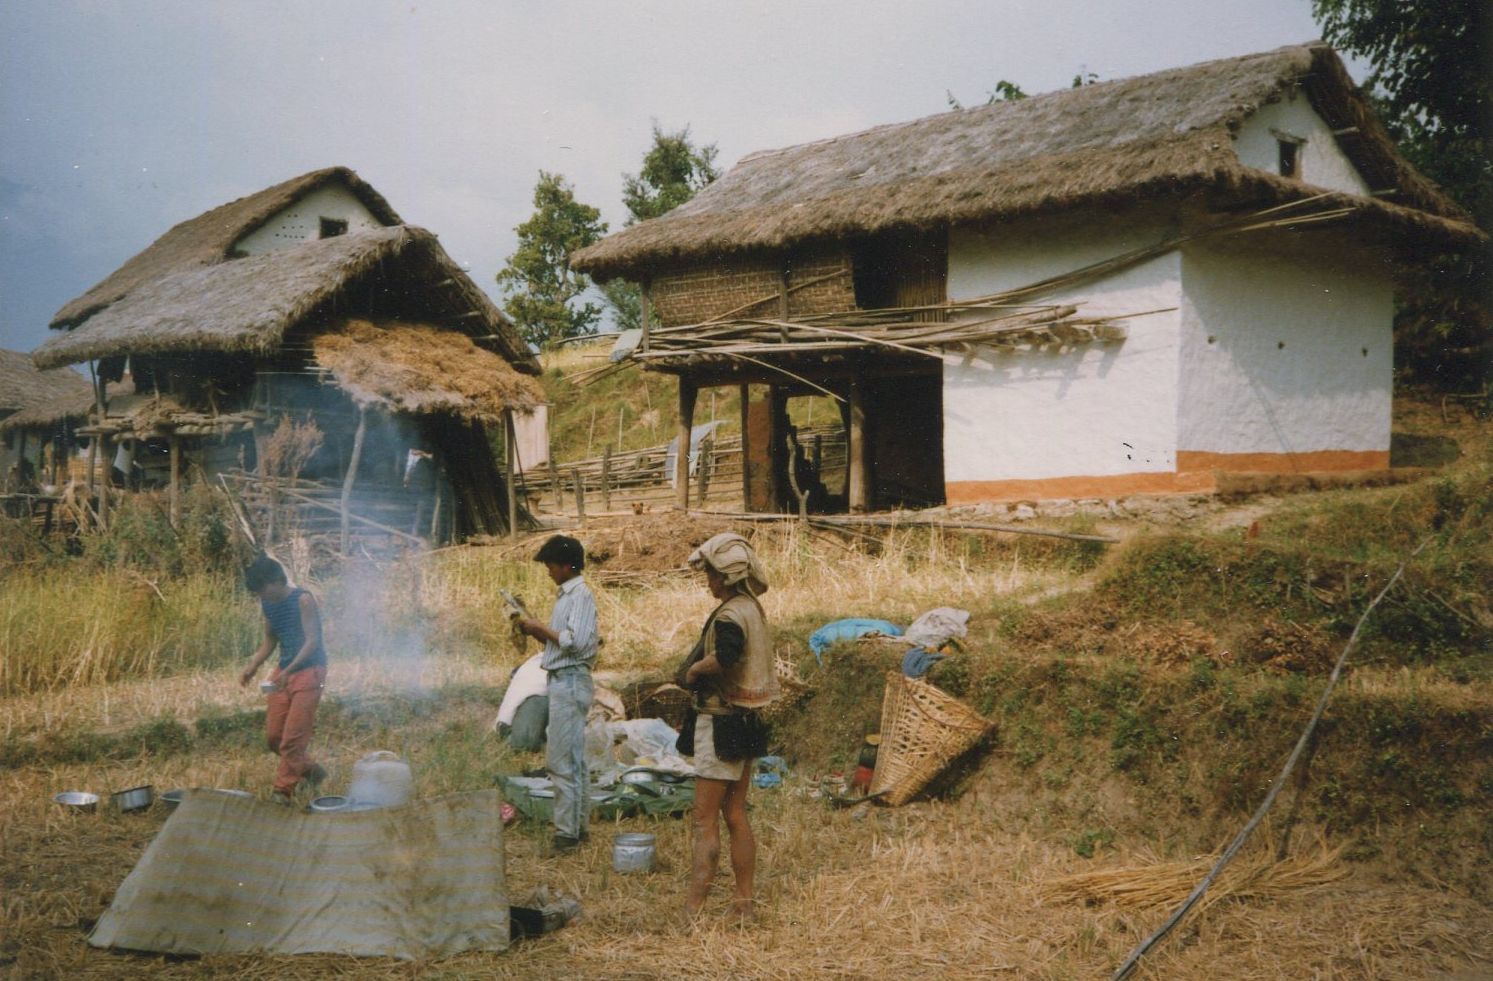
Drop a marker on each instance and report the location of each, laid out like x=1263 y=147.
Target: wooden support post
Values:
x=352 y=476
x=103 y=497
x=174 y=443
x=59 y=449
x=555 y=485
x=702 y=470
x=645 y=320
x=510 y=436
x=580 y=495
x=858 y=477
x=744 y=394
x=688 y=392
x=606 y=477
x=92 y=463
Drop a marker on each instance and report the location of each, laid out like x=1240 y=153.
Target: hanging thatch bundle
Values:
x=419 y=369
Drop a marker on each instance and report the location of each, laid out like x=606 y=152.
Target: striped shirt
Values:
x=284 y=619
x=574 y=620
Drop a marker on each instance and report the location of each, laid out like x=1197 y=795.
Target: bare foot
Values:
x=743 y=911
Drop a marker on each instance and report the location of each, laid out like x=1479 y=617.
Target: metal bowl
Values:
x=329 y=803
x=77 y=800
x=173 y=798
x=134 y=799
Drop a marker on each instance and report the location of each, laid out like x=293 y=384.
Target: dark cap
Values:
x=563 y=550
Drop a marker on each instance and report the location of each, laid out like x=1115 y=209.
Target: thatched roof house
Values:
x=36 y=408
x=1247 y=206
x=289 y=301
x=1170 y=133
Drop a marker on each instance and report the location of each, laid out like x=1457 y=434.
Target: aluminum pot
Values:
x=77 y=800
x=632 y=852
x=329 y=803
x=134 y=799
x=172 y=798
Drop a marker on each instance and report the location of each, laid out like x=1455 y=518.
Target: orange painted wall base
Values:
x=1197 y=473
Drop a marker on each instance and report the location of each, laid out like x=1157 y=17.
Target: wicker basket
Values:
x=922 y=730
x=791 y=686
x=667 y=702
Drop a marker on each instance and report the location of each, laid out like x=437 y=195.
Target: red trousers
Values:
x=288 y=724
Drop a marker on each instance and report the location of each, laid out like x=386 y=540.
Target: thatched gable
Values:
x=250 y=304
x=418 y=369
x=32 y=397
x=1165 y=133
x=207 y=239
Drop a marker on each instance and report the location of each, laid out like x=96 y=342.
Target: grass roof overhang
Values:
x=207 y=239
x=250 y=304
x=419 y=369
x=1114 y=142
x=34 y=397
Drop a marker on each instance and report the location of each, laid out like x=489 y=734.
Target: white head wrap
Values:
x=732 y=556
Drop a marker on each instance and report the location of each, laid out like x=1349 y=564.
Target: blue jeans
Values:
x=570 y=700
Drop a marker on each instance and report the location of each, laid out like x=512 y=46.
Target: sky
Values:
x=120 y=119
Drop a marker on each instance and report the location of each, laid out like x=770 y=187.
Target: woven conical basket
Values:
x=922 y=730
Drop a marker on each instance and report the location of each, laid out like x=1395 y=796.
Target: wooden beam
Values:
x=352 y=476
x=688 y=393
x=858 y=460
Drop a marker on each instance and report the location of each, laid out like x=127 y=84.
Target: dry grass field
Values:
x=1129 y=745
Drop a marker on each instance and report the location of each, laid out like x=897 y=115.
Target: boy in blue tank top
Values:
x=292 y=622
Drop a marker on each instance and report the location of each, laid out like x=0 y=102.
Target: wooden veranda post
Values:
x=688 y=392
x=352 y=476
x=858 y=471
x=510 y=436
x=606 y=477
x=744 y=394
x=174 y=442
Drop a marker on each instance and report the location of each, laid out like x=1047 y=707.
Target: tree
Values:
x=1004 y=91
x=538 y=284
x=674 y=169
x=1431 y=85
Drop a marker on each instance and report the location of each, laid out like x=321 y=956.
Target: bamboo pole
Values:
x=352 y=517
x=580 y=495
x=606 y=477
x=352 y=476
x=688 y=392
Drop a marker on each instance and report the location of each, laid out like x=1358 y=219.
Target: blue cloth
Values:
x=917 y=661
x=770 y=772
x=284 y=619
x=574 y=619
x=570 y=694
x=848 y=629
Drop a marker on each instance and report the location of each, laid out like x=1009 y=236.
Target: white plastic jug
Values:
x=381 y=779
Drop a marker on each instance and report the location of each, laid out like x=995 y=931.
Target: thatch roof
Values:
x=32 y=397
x=250 y=304
x=1166 y=133
x=419 y=369
x=206 y=239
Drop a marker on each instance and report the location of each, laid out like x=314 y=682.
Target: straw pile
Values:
x=1161 y=885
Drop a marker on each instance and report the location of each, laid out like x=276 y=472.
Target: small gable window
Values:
x=332 y=227
x=1288 y=153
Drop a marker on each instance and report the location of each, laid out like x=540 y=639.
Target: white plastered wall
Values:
x=1094 y=409
x=1320 y=162
x=1287 y=348
x=301 y=221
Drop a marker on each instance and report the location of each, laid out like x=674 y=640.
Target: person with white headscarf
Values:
x=730 y=674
